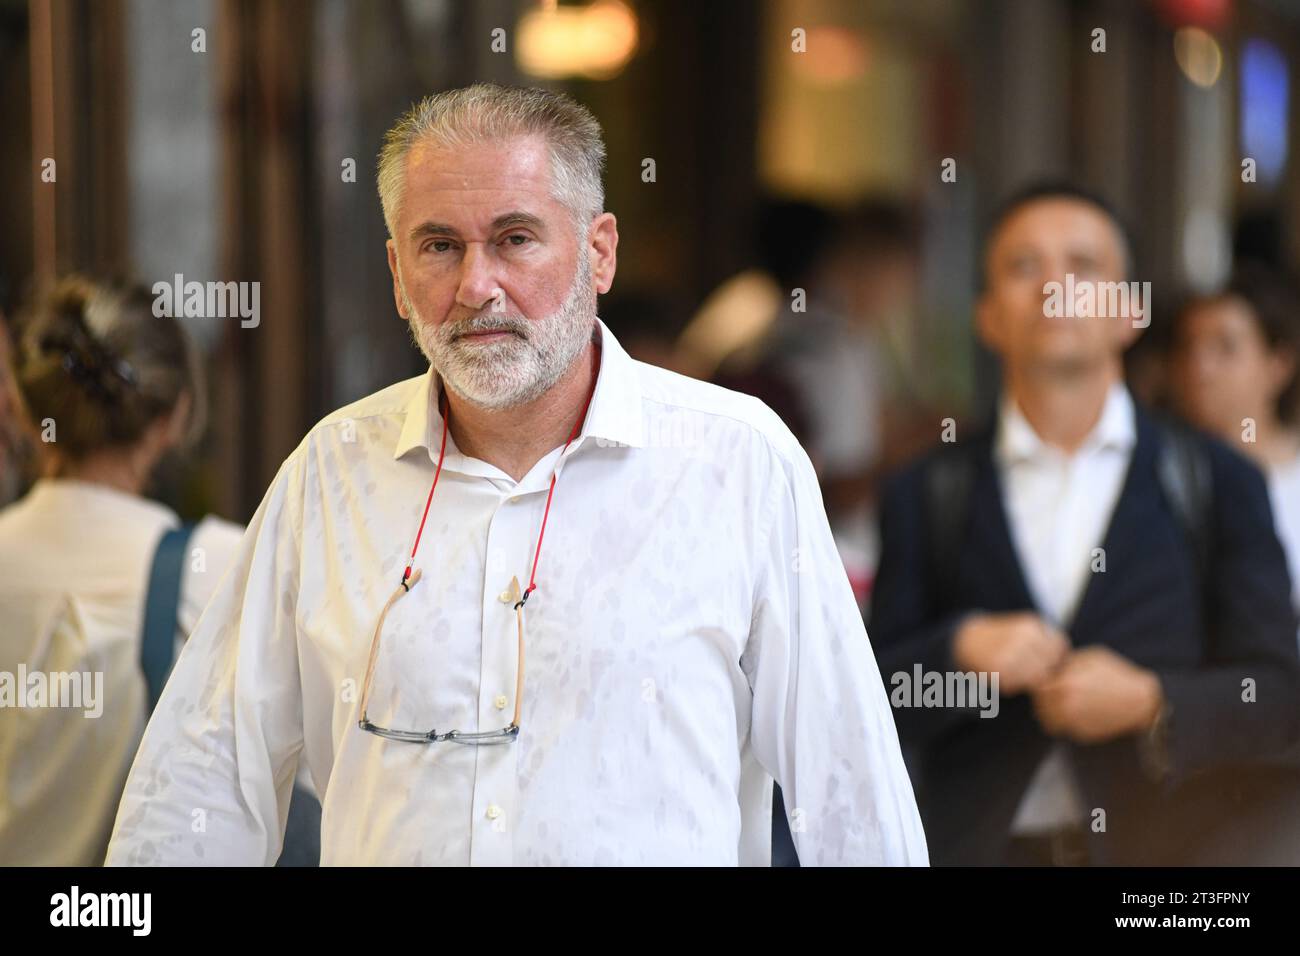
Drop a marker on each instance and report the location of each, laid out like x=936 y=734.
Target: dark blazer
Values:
x=1149 y=605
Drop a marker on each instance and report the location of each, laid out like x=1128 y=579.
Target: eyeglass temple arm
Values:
x=519 y=673
x=403 y=588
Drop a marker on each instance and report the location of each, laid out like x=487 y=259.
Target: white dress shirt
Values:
x=74 y=571
x=693 y=634
x=1059 y=507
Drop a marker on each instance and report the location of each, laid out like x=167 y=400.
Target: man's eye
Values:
x=440 y=245
x=522 y=239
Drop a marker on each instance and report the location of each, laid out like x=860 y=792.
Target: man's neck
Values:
x=515 y=439
x=1063 y=409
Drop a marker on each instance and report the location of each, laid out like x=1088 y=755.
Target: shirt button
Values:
x=504 y=596
x=500 y=701
x=514 y=499
x=493 y=812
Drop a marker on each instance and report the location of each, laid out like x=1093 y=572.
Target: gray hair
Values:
x=486 y=112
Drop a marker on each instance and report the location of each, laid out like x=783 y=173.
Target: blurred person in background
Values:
x=15 y=439
x=728 y=332
x=1234 y=374
x=111 y=389
x=843 y=357
x=647 y=323
x=1119 y=575
x=727 y=340
x=815 y=332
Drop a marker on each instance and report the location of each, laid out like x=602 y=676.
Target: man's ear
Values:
x=397 y=285
x=603 y=249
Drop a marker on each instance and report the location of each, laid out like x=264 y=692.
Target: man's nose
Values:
x=478 y=288
x=1051 y=279
x=1054 y=270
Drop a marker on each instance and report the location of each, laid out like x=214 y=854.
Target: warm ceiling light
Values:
x=1198 y=56
x=593 y=41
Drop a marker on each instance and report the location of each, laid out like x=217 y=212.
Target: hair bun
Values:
x=96 y=359
x=96 y=369
x=85 y=358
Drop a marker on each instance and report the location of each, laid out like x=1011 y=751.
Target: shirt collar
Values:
x=614 y=415
x=1116 y=429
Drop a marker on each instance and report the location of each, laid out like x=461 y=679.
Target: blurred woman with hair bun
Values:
x=86 y=559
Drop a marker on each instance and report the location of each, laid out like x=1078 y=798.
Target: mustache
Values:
x=490 y=322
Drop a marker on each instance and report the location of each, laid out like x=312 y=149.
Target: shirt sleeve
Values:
x=211 y=781
x=821 y=723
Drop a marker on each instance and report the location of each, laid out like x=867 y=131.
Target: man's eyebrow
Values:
x=517 y=218
x=1016 y=251
x=1078 y=250
x=513 y=218
x=434 y=229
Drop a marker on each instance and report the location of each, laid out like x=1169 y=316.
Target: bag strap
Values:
x=1184 y=470
x=161 y=609
x=948 y=484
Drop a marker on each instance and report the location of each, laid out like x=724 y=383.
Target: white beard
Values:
x=519 y=368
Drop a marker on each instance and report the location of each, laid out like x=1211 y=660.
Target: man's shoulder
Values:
x=666 y=395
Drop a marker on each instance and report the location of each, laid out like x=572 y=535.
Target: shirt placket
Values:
x=1062 y=542
x=496 y=777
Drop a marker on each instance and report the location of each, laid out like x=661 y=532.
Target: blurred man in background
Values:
x=1120 y=576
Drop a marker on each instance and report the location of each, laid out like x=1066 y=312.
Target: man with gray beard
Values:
x=657 y=545
x=515 y=368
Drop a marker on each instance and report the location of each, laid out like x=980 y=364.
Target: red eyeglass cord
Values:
x=442 y=451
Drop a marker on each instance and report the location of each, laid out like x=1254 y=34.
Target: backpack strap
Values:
x=161 y=609
x=1183 y=467
x=948 y=484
